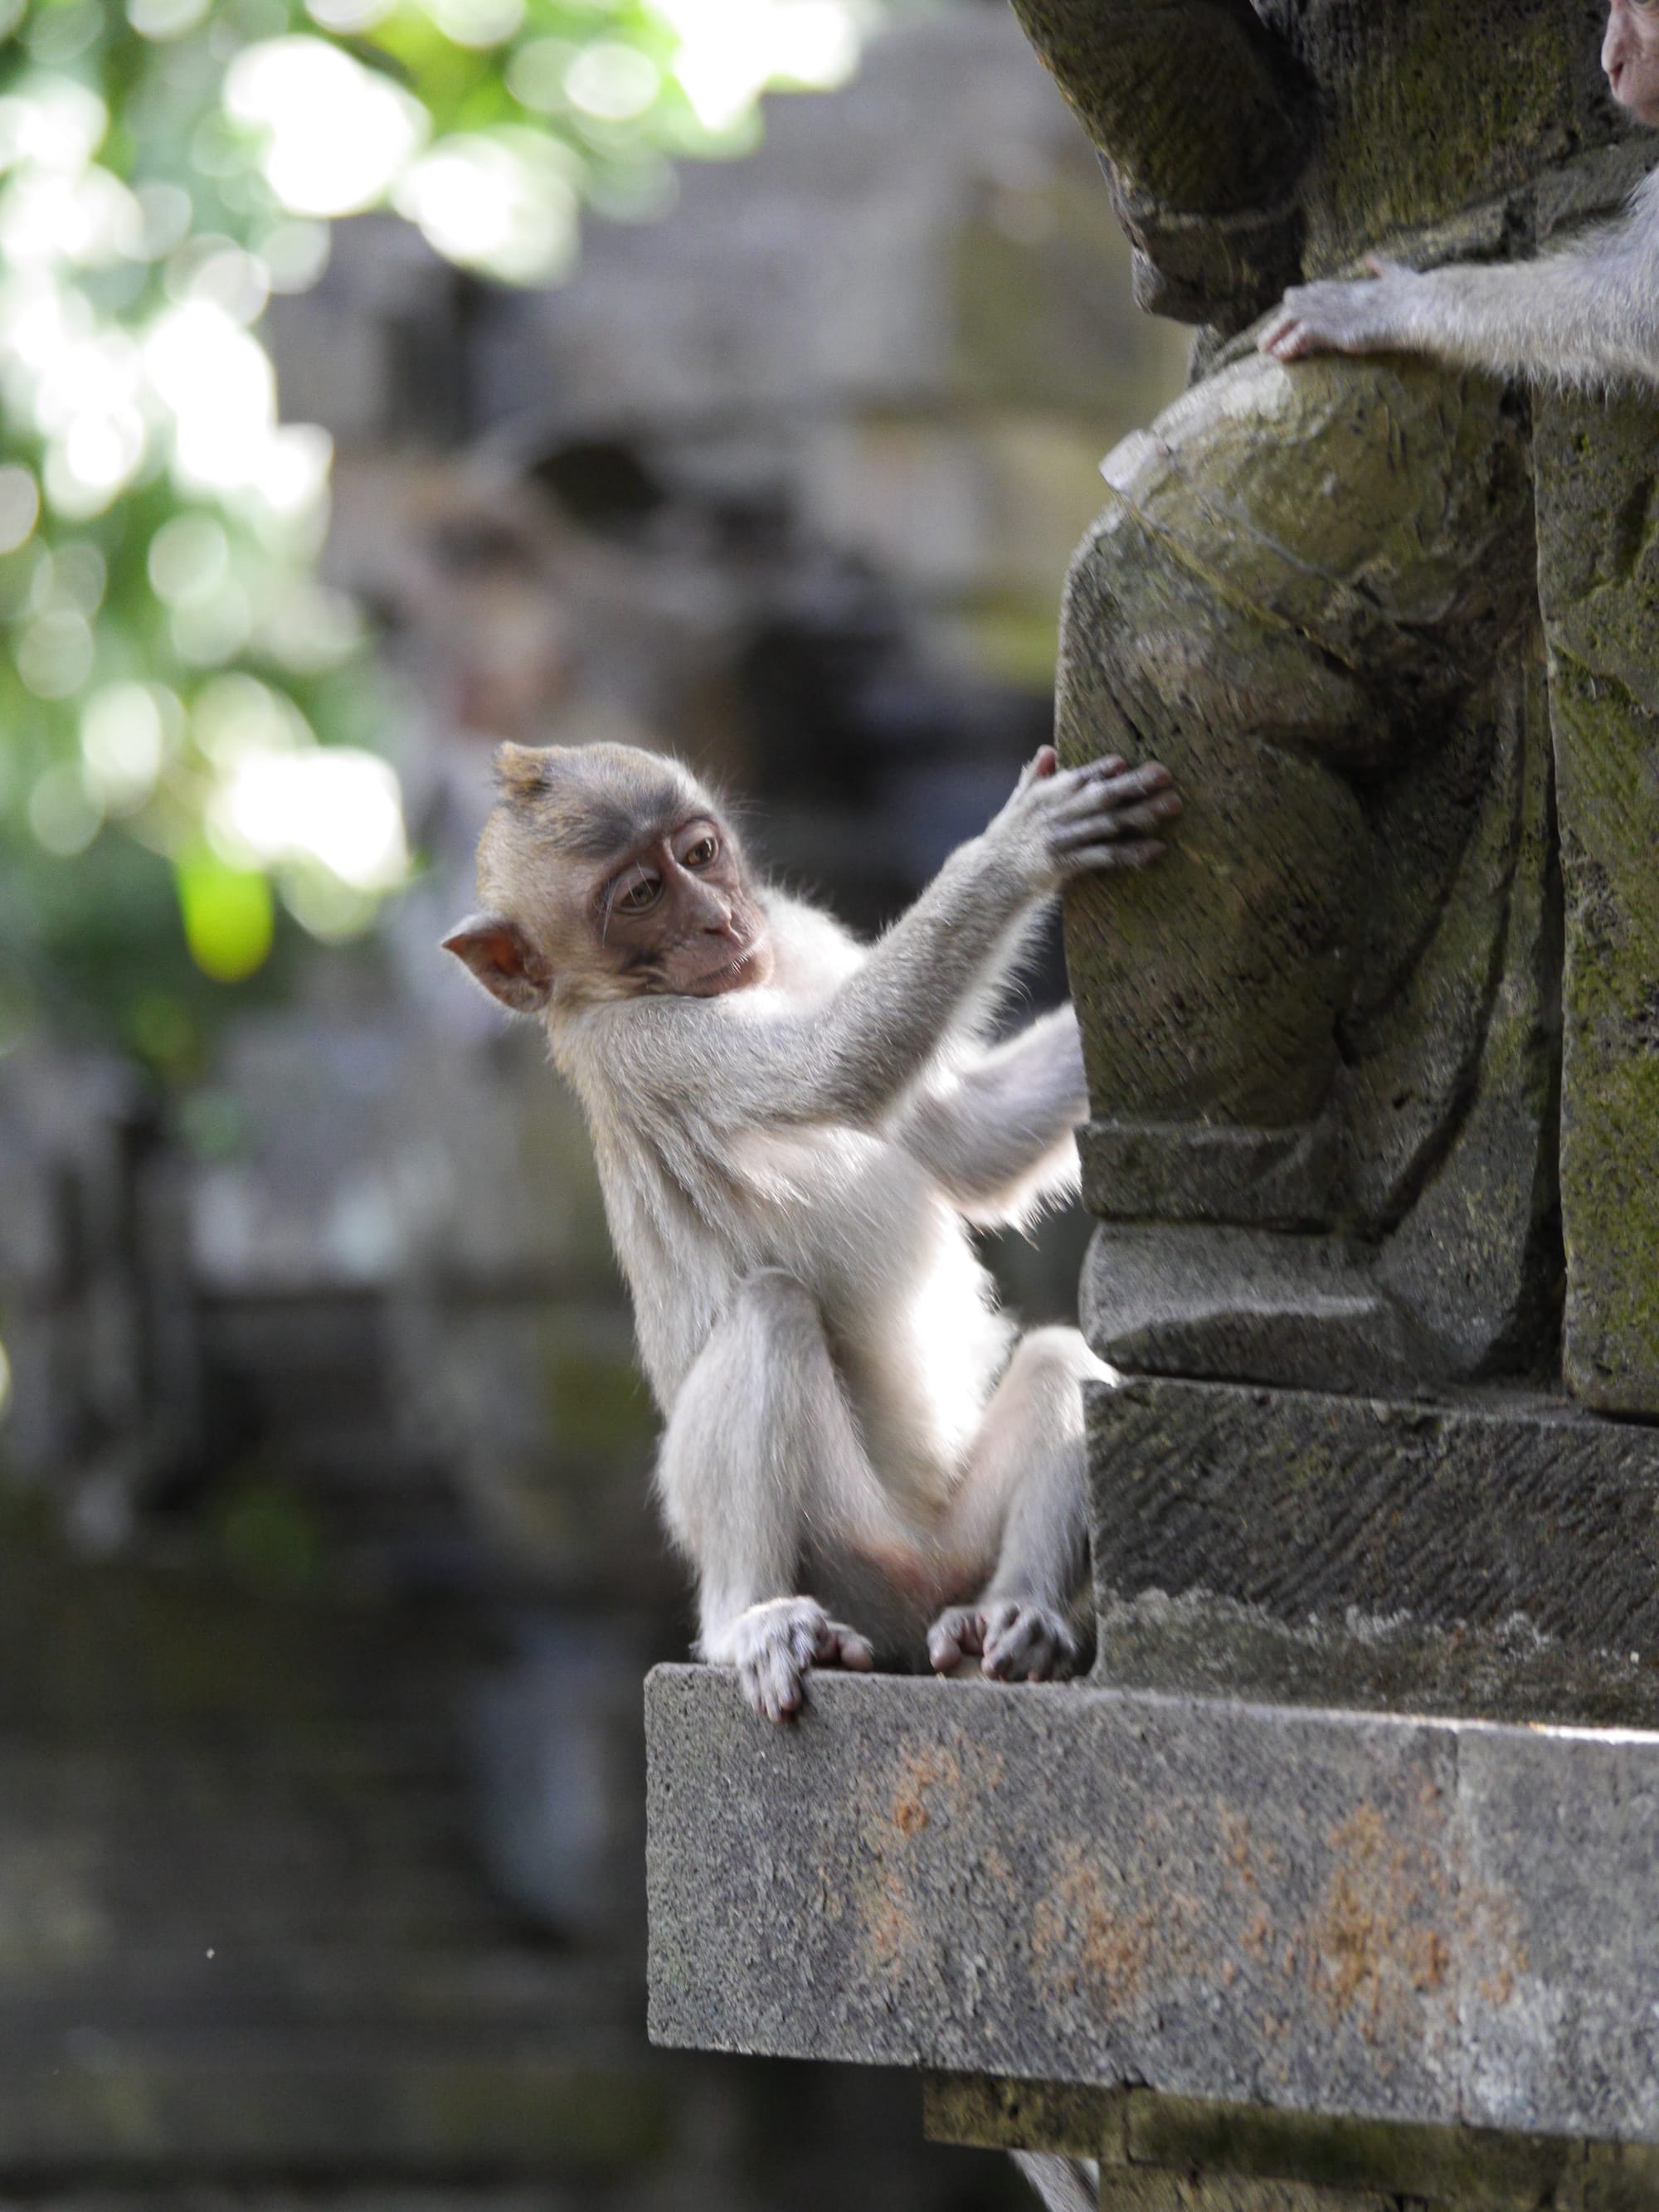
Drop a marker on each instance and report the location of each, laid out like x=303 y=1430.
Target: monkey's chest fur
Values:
x=910 y=1313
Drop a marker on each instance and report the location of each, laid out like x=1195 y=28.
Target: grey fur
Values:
x=1584 y=319
x=789 y=1171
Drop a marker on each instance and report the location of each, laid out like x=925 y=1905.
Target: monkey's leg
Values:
x=1022 y=1509
x=762 y=1447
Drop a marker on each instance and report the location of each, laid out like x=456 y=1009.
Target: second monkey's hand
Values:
x=1375 y=314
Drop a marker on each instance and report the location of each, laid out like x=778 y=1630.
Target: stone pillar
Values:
x=1598 y=575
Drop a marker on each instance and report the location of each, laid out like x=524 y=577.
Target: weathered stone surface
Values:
x=1476 y=1261
x=993 y=2113
x=1425 y=113
x=1264 y=642
x=1147 y=2189
x=1290 y=1310
x=1599 y=583
x=1211 y=1647
x=1225 y=150
x=1138 y=2129
x=879 y=1890
x=1187 y=1171
x=1526 y=1521
x=1311 y=1911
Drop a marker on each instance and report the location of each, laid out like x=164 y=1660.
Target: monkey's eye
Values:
x=638 y=893
x=702 y=853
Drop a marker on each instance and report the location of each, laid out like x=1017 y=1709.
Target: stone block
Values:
x=1487 y=1556
x=1148 y=2190
x=1435 y=1923
x=1455 y=1514
x=1196 y=1300
x=1180 y=1171
x=1069 y=1885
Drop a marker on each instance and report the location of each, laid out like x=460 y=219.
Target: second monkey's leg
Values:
x=760 y=1457
x=1022 y=1512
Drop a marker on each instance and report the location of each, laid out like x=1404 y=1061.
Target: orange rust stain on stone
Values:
x=1376 y=1941
x=1088 y=1944
x=926 y=1782
x=919 y=1772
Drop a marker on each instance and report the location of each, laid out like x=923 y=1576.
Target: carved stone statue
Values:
x=1375 y=1054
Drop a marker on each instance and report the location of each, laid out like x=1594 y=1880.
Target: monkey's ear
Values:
x=521 y=770
x=504 y=960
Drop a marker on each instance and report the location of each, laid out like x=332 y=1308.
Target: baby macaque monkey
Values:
x=793 y=1133
x=1586 y=317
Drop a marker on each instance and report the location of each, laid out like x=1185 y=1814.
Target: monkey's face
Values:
x=675 y=914
x=609 y=874
x=1630 y=55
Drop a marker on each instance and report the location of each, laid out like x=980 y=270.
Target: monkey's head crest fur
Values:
x=591 y=800
x=563 y=814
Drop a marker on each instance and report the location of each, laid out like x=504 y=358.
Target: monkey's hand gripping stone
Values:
x=1374 y=315
x=1015 y=1639
x=775 y=1645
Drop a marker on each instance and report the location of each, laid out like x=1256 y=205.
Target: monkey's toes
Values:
x=957 y=1635
x=842 y=1646
x=1025 y=1642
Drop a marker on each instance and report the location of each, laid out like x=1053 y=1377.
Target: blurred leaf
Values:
x=165 y=164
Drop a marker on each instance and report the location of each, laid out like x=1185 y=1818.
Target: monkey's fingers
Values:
x=775 y=1642
x=1090 y=859
x=1100 y=823
x=957 y=1635
x=774 y=1682
x=1296 y=340
x=1275 y=330
x=1027 y=1641
x=1044 y=762
x=838 y=1645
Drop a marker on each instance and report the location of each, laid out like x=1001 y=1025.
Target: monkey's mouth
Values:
x=733 y=977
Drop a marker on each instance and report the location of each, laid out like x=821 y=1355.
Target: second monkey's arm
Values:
x=998 y=1141
x=1586 y=317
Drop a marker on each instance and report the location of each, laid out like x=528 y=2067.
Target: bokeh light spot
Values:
x=502 y=202
x=165 y=18
x=228 y=914
x=613 y=82
x=61 y=814
x=336 y=134
x=20 y=506
x=476 y=22
x=187 y=560
x=122 y=745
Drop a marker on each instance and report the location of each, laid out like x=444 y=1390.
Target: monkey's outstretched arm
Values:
x=1585 y=318
x=852 y=1059
x=998 y=1140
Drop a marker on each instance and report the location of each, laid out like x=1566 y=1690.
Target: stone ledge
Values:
x=1439 y=1923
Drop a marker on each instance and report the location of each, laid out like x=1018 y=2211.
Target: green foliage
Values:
x=187 y=717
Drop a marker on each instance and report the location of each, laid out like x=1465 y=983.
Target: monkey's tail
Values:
x=1065 y=2185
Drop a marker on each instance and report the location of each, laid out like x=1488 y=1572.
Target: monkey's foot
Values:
x=1015 y=1640
x=775 y=1645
